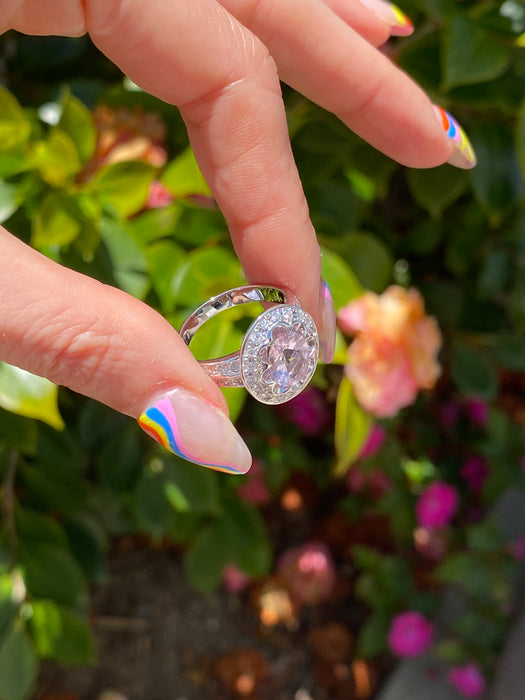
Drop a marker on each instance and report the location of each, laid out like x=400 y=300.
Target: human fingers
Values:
x=325 y=59
x=374 y=20
x=105 y=344
x=196 y=55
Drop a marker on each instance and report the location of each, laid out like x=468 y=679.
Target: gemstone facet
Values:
x=279 y=354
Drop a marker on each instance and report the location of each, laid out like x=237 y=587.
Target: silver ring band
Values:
x=279 y=352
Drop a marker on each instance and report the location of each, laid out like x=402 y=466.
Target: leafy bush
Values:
x=132 y=209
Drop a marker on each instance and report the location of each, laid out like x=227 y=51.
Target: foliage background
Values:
x=75 y=474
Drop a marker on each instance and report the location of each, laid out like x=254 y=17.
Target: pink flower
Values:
x=374 y=442
x=234 y=580
x=437 y=505
x=159 y=196
x=394 y=353
x=355 y=479
x=450 y=413
x=468 y=680
x=477 y=411
x=309 y=411
x=410 y=634
x=431 y=544
x=517 y=549
x=253 y=489
x=308 y=572
x=475 y=471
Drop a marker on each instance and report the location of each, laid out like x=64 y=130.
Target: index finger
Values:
x=195 y=54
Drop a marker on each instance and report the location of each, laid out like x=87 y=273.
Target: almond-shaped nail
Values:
x=196 y=430
x=463 y=155
x=400 y=24
x=327 y=331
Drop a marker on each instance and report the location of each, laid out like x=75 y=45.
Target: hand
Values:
x=220 y=63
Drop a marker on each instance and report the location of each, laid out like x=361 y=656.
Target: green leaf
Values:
x=205 y=273
x=343 y=283
x=18 y=432
x=120 y=464
x=152 y=507
x=56 y=158
x=57 y=221
x=14 y=125
x=87 y=544
x=470 y=55
x=352 y=425
x=472 y=373
x=124 y=186
x=10 y=200
x=129 y=260
x=520 y=138
x=206 y=558
x=76 y=121
x=496 y=179
x=18 y=666
x=509 y=351
x=437 y=188
x=190 y=488
x=55 y=487
x=33 y=526
x=373 y=636
x=250 y=545
x=370 y=260
x=153 y=224
x=50 y=571
x=164 y=259
x=182 y=176
x=61 y=634
x=28 y=395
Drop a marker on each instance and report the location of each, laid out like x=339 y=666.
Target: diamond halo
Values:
x=279 y=354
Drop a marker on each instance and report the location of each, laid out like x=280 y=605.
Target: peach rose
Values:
x=394 y=353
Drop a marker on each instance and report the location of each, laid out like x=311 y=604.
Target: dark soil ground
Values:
x=160 y=640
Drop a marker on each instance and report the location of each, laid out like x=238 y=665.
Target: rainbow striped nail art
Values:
x=402 y=25
x=197 y=431
x=463 y=156
x=399 y=23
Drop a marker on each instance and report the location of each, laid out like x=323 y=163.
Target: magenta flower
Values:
x=374 y=442
x=468 y=680
x=308 y=411
x=477 y=411
x=410 y=634
x=234 y=580
x=308 y=572
x=517 y=549
x=437 y=505
x=159 y=196
x=450 y=413
x=475 y=471
x=253 y=489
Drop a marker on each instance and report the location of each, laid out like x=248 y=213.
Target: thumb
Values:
x=105 y=344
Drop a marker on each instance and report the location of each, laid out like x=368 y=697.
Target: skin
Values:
x=103 y=343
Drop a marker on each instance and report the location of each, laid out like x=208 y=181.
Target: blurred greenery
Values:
x=74 y=474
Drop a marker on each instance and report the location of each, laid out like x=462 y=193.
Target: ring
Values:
x=279 y=352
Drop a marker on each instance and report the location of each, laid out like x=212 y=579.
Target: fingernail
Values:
x=400 y=24
x=196 y=430
x=327 y=332
x=463 y=155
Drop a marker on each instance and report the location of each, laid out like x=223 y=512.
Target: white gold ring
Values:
x=280 y=349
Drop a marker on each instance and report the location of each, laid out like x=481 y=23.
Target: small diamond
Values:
x=277 y=366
